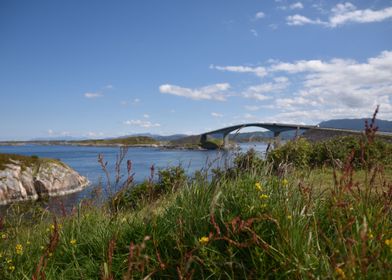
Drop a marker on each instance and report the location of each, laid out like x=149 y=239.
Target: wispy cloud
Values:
x=343 y=13
x=142 y=123
x=93 y=94
x=296 y=6
x=258 y=71
x=216 y=115
x=254 y=32
x=211 y=92
x=259 y=15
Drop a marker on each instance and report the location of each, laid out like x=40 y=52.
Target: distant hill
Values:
x=162 y=138
x=356 y=124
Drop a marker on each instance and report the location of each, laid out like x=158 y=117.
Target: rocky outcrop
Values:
x=19 y=182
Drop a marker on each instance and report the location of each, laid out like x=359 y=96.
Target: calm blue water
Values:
x=84 y=160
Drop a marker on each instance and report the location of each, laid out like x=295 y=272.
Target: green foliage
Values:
x=132 y=140
x=169 y=180
x=248 y=161
x=302 y=153
x=25 y=161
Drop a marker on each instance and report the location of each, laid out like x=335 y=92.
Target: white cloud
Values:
x=311 y=90
x=347 y=12
x=211 y=92
x=344 y=13
x=258 y=71
x=259 y=15
x=252 y=107
x=302 y=20
x=93 y=94
x=216 y=115
x=340 y=87
x=94 y=134
x=297 y=5
x=109 y=87
x=259 y=92
x=146 y=116
x=141 y=123
x=254 y=32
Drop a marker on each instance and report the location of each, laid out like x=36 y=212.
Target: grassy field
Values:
x=253 y=221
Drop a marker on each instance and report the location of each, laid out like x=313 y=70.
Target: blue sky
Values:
x=111 y=68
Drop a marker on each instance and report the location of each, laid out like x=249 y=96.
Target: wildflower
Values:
x=73 y=242
x=340 y=273
x=9 y=261
x=4 y=236
x=370 y=235
x=52 y=227
x=28 y=243
x=11 y=268
x=388 y=242
x=19 y=249
x=60 y=226
x=264 y=196
x=263 y=205
x=204 y=240
x=50 y=254
x=258 y=186
x=285 y=182
x=42 y=247
x=289 y=217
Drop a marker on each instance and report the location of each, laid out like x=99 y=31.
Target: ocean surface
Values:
x=85 y=161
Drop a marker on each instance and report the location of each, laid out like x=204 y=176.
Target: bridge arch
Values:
x=274 y=127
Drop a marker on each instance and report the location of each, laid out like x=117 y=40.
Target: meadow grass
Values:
x=251 y=221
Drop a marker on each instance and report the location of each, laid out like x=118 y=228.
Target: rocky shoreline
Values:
x=40 y=178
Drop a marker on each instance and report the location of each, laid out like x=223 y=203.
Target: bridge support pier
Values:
x=226 y=140
x=276 y=139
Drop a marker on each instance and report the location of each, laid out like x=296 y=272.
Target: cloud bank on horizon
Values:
x=325 y=89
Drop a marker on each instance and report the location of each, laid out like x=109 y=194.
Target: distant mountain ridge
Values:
x=356 y=124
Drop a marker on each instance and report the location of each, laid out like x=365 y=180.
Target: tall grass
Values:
x=248 y=222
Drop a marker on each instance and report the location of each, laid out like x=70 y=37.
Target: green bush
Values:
x=302 y=153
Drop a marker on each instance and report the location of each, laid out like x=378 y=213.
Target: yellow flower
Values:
x=19 y=249
x=370 y=235
x=340 y=273
x=203 y=240
x=388 y=242
x=258 y=186
x=73 y=242
x=28 y=243
x=264 y=196
x=11 y=268
x=263 y=205
x=42 y=247
x=4 y=236
x=289 y=217
x=50 y=254
x=9 y=260
x=285 y=182
x=52 y=227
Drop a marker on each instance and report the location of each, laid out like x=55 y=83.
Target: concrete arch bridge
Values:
x=276 y=128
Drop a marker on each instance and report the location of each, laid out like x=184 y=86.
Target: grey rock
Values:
x=49 y=178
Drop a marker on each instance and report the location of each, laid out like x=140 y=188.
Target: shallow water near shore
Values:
x=85 y=161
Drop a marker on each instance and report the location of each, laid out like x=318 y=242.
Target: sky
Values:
x=100 y=69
